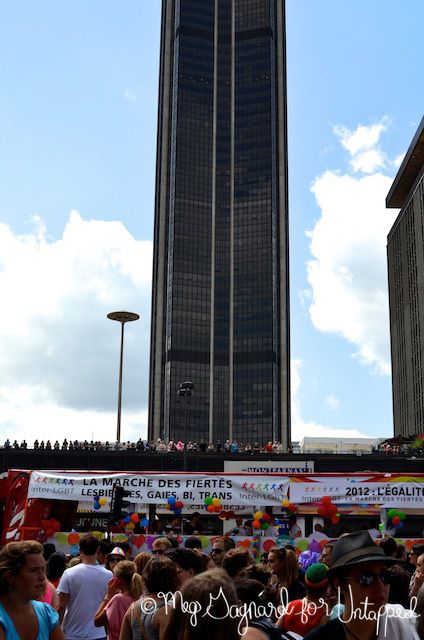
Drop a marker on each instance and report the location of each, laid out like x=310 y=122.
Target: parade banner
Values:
x=386 y=490
x=156 y=488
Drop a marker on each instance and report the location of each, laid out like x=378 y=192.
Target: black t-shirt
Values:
x=332 y=630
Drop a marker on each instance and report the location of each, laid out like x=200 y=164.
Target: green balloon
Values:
x=62 y=538
x=208 y=501
x=401 y=515
x=302 y=544
x=205 y=541
x=391 y=513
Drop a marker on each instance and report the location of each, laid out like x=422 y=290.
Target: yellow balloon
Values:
x=102 y=501
x=216 y=502
x=130 y=526
x=285 y=503
x=258 y=515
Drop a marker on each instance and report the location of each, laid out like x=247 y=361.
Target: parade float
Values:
x=58 y=506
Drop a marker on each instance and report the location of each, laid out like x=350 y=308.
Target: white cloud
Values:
x=304 y=296
x=332 y=402
x=302 y=428
x=362 y=145
x=60 y=355
x=398 y=160
x=363 y=137
x=130 y=95
x=348 y=273
x=368 y=161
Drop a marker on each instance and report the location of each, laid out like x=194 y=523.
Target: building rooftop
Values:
x=409 y=171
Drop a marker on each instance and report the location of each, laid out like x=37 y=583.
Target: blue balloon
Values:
x=145 y=522
x=177 y=512
x=172 y=500
x=127 y=519
x=96 y=505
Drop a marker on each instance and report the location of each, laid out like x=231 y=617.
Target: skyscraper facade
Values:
x=405 y=258
x=220 y=304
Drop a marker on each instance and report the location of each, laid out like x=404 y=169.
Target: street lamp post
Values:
x=185 y=390
x=122 y=317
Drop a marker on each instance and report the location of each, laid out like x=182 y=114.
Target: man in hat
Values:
x=359 y=574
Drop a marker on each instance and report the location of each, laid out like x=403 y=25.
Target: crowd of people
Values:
x=356 y=590
x=157 y=446
x=230 y=447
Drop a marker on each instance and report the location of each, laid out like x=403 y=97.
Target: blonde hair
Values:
x=127 y=572
x=141 y=559
x=164 y=542
x=13 y=557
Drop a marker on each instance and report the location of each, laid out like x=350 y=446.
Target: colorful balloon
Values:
x=73 y=538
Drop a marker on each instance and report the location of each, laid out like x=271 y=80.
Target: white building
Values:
x=338 y=445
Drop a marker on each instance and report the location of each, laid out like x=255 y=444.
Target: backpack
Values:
x=272 y=631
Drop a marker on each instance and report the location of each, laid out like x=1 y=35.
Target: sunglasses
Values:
x=159 y=552
x=115 y=560
x=368 y=578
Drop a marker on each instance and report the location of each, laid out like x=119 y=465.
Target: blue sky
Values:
x=78 y=105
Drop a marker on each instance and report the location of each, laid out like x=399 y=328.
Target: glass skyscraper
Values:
x=220 y=304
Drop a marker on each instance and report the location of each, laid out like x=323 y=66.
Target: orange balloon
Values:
x=244 y=543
